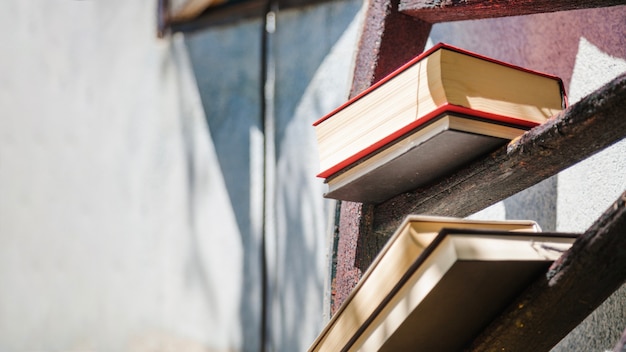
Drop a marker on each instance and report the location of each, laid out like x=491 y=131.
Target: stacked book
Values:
x=438 y=282
x=438 y=112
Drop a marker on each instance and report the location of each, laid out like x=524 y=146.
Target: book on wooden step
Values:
x=446 y=143
x=441 y=81
x=438 y=282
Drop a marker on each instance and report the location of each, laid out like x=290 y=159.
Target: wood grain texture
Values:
x=575 y=286
x=434 y=11
x=594 y=123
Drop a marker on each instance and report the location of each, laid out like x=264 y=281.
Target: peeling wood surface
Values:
x=434 y=11
x=575 y=286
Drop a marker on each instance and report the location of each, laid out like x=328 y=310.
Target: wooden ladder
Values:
x=595 y=267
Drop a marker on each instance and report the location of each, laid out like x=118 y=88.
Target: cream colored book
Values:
x=437 y=282
x=444 y=145
x=443 y=79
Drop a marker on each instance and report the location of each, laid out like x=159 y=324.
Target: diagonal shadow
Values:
x=226 y=63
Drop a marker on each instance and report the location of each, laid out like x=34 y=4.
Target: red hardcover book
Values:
x=445 y=80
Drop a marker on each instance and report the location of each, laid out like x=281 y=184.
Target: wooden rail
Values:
x=575 y=285
x=434 y=11
x=591 y=271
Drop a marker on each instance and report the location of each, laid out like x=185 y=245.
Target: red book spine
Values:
x=438 y=111
x=419 y=122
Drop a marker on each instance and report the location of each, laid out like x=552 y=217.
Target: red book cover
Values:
x=435 y=113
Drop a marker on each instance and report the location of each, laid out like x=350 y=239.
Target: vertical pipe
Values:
x=267 y=122
x=264 y=275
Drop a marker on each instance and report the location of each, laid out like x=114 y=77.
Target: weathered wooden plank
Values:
x=184 y=10
x=575 y=286
x=434 y=11
x=388 y=40
x=594 y=123
x=221 y=14
x=229 y=12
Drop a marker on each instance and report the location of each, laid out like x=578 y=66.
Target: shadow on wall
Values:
x=214 y=255
x=311 y=80
x=537 y=203
x=227 y=63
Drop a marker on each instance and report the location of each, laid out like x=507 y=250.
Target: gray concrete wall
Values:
x=131 y=178
x=117 y=232
x=308 y=69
